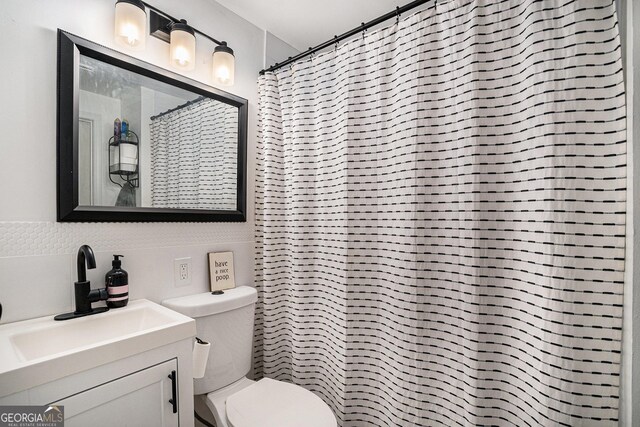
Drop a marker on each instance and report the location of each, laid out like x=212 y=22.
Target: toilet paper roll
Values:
x=200 y=357
x=128 y=150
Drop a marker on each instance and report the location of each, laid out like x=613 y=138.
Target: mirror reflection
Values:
x=144 y=143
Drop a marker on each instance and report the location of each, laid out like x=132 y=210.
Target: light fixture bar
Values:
x=180 y=36
x=160 y=25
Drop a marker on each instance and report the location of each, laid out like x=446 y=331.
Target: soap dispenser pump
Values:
x=117 y=281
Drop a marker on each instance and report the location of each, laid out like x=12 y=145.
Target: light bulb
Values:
x=181 y=56
x=222 y=74
x=131 y=33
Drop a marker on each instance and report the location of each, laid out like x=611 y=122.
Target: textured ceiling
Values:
x=305 y=23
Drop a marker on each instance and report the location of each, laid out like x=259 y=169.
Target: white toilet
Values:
x=226 y=321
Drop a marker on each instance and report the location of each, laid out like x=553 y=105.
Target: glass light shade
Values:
x=223 y=66
x=182 y=52
x=130 y=25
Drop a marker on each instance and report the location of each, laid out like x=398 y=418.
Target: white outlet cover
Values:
x=178 y=267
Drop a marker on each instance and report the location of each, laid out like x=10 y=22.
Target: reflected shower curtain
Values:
x=193 y=156
x=440 y=218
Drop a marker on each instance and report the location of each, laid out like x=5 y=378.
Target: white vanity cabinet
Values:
x=126 y=367
x=134 y=392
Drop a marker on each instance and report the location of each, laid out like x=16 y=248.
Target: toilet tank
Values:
x=225 y=321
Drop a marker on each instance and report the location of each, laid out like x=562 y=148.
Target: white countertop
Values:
x=37 y=351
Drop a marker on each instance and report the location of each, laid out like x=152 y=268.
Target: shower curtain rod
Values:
x=179 y=107
x=395 y=13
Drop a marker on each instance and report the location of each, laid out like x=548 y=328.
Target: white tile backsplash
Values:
x=38 y=260
x=34 y=286
x=26 y=238
x=31 y=286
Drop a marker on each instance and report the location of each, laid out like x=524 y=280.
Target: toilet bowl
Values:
x=268 y=403
x=226 y=321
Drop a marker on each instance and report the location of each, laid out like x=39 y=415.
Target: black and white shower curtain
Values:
x=440 y=218
x=194 y=156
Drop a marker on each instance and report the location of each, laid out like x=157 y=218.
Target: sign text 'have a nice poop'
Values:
x=221 y=271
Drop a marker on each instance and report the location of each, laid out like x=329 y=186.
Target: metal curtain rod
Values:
x=179 y=107
x=174 y=20
x=395 y=13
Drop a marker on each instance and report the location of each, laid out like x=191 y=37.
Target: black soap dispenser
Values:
x=117 y=282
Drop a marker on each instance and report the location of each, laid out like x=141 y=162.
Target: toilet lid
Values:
x=271 y=403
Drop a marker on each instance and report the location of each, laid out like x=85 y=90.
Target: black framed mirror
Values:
x=139 y=143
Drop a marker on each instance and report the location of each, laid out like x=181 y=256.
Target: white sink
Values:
x=36 y=351
x=57 y=337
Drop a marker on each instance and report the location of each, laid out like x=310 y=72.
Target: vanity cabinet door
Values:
x=136 y=400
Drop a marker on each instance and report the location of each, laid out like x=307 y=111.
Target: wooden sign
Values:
x=221 y=275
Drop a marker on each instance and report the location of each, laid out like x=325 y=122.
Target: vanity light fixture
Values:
x=181 y=36
x=182 y=49
x=131 y=24
x=223 y=64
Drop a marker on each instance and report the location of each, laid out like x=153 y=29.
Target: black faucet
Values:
x=84 y=295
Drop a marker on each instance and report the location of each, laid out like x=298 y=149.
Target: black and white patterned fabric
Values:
x=194 y=153
x=440 y=218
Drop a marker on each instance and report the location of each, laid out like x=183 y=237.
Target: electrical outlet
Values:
x=182 y=271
